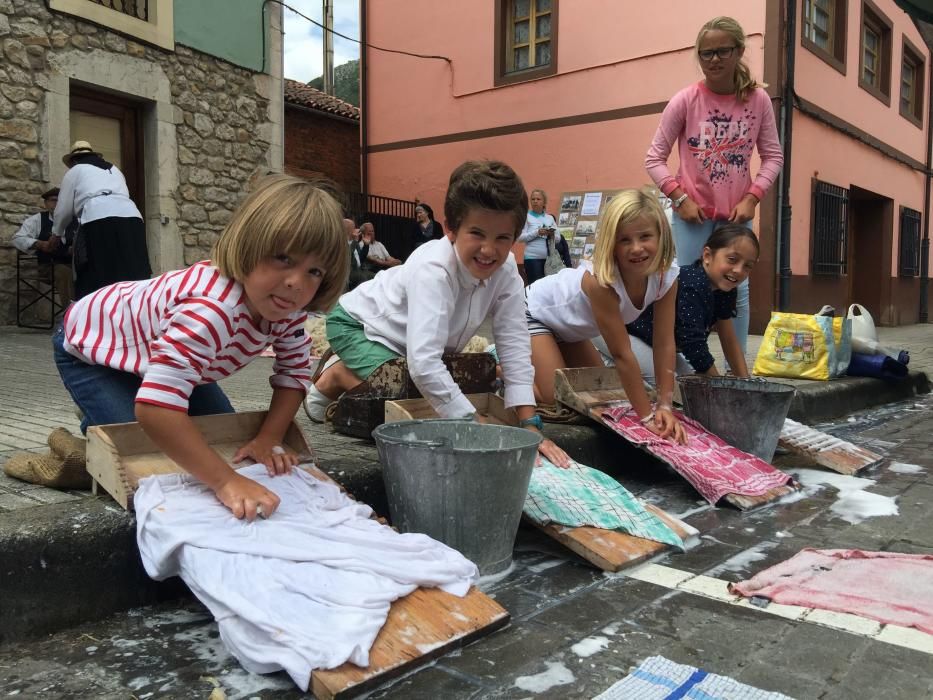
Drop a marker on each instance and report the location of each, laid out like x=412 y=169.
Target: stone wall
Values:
x=220 y=115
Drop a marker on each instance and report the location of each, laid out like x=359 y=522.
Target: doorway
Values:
x=871 y=237
x=113 y=126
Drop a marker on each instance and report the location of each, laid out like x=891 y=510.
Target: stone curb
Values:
x=68 y=563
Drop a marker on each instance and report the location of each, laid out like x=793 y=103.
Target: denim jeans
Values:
x=689 y=240
x=534 y=269
x=107 y=395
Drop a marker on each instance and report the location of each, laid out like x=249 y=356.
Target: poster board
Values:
x=578 y=215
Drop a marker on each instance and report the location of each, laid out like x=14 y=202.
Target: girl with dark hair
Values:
x=425 y=228
x=706 y=299
x=110 y=245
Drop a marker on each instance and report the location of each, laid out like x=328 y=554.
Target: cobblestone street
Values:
x=574 y=630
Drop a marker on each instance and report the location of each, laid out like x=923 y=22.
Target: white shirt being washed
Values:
x=91 y=193
x=431 y=305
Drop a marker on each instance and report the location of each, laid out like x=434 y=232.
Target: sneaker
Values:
x=316 y=404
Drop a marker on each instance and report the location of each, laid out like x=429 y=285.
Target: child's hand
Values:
x=666 y=425
x=690 y=212
x=246 y=498
x=554 y=454
x=744 y=210
x=277 y=459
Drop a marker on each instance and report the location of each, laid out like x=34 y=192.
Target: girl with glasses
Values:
x=716 y=124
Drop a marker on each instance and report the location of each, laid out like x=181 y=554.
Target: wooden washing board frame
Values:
x=589 y=390
x=119 y=455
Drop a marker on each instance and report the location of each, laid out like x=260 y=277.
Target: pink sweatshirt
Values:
x=716 y=135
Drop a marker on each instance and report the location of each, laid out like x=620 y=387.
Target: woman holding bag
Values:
x=537 y=233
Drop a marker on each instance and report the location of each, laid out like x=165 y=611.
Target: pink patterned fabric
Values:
x=892 y=588
x=714 y=467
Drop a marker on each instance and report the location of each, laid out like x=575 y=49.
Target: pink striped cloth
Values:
x=892 y=588
x=712 y=466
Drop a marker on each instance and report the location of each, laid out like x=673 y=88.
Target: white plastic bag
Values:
x=864 y=335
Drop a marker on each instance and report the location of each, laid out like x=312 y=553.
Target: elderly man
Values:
x=35 y=236
x=378 y=257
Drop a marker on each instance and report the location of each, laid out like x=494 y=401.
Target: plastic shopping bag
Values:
x=842 y=339
x=797 y=346
x=864 y=335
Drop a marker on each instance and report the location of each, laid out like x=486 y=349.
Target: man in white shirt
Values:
x=35 y=236
x=378 y=257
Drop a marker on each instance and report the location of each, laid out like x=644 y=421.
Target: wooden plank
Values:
x=825 y=450
x=608 y=550
x=420 y=627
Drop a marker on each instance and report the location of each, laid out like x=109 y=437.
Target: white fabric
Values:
x=308 y=588
x=377 y=251
x=24 y=240
x=91 y=193
x=535 y=245
x=431 y=305
x=558 y=301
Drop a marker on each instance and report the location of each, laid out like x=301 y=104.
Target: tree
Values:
x=346 y=82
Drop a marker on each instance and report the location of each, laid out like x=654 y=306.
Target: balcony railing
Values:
x=134 y=8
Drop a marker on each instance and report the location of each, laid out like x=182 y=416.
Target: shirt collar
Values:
x=466 y=280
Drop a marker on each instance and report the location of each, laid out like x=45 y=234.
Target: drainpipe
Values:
x=925 y=244
x=364 y=111
x=787 y=112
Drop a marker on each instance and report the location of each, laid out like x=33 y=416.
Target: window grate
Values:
x=134 y=8
x=830 y=227
x=909 y=244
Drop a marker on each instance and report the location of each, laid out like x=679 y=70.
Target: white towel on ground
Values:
x=308 y=588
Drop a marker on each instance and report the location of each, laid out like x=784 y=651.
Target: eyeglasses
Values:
x=723 y=52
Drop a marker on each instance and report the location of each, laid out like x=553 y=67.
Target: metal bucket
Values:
x=746 y=413
x=460 y=482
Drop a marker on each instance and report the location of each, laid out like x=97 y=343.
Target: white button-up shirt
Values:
x=89 y=193
x=431 y=305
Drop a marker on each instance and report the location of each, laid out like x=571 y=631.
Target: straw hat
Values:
x=79 y=148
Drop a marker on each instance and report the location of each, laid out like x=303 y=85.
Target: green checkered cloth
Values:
x=581 y=495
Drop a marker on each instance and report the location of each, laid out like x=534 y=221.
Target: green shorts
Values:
x=361 y=355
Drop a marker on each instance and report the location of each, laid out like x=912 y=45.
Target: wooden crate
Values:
x=119 y=455
x=420 y=627
x=607 y=549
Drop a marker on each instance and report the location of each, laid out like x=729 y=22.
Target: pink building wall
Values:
x=589 y=125
x=644 y=61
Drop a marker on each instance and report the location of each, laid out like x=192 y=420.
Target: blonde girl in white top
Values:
x=633 y=267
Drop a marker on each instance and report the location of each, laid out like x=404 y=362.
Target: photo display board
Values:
x=578 y=217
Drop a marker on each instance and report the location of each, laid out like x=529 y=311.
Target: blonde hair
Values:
x=287 y=215
x=539 y=191
x=744 y=82
x=626 y=207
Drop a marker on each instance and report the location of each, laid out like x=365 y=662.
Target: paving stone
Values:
x=14 y=501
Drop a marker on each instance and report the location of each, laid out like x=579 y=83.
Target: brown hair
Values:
x=626 y=207
x=485 y=184
x=285 y=214
x=744 y=82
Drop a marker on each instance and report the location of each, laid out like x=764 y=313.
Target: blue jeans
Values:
x=689 y=240
x=534 y=269
x=107 y=395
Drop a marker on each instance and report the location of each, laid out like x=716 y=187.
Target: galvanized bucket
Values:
x=460 y=482
x=746 y=413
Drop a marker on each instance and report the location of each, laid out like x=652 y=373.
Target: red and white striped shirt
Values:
x=182 y=329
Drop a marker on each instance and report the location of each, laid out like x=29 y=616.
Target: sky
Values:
x=304 y=42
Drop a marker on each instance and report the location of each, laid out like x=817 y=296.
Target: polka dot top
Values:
x=699 y=307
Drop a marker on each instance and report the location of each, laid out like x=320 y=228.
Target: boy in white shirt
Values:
x=436 y=301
